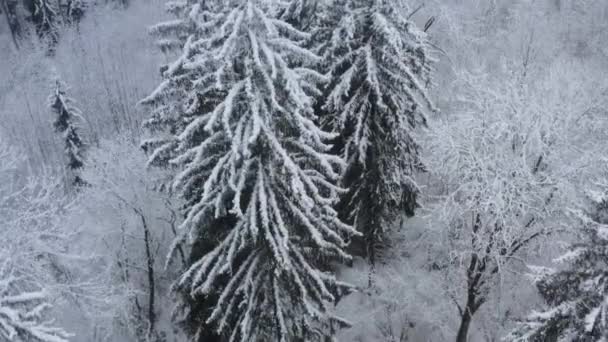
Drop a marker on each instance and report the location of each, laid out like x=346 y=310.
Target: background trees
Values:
x=31 y=241
x=131 y=226
x=543 y=87
x=500 y=192
x=507 y=71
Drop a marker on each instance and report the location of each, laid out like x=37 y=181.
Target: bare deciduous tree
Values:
x=507 y=164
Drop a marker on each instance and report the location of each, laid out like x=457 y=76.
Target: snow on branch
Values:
x=22 y=311
x=66 y=123
x=256 y=176
x=377 y=100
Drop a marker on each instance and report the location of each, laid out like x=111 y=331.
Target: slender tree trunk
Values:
x=477 y=268
x=463 y=330
x=172 y=222
x=475 y=299
x=10 y=11
x=467 y=317
x=151 y=279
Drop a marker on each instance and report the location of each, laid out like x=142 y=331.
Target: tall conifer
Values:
x=235 y=112
x=380 y=71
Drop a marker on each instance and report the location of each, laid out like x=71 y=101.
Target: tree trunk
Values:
x=475 y=272
x=9 y=7
x=151 y=278
x=474 y=302
x=465 y=323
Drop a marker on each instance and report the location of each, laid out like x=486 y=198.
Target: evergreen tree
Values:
x=380 y=72
x=236 y=115
x=44 y=16
x=304 y=14
x=173 y=34
x=22 y=312
x=66 y=124
x=318 y=17
x=576 y=297
x=75 y=10
x=299 y=12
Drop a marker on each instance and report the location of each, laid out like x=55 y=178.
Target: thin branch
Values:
x=415 y=11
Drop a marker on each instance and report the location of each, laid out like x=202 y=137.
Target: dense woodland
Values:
x=303 y=170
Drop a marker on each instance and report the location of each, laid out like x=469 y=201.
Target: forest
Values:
x=303 y=170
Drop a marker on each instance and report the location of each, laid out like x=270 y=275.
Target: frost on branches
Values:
x=506 y=171
x=576 y=297
x=44 y=16
x=30 y=237
x=377 y=97
x=301 y=13
x=66 y=124
x=22 y=312
x=257 y=178
x=316 y=17
x=191 y=20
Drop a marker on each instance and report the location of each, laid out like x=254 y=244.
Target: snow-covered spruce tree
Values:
x=44 y=16
x=173 y=34
x=75 y=10
x=576 y=297
x=377 y=96
x=257 y=178
x=317 y=17
x=66 y=124
x=168 y=122
x=22 y=312
x=301 y=13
